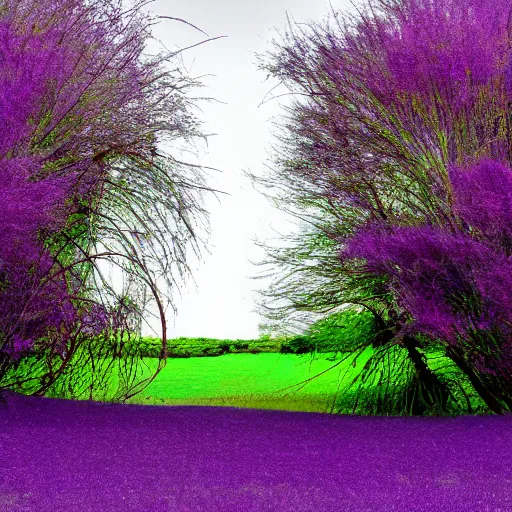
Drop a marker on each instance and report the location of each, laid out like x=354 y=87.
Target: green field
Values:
x=258 y=381
x=264 y=380
x=246 y=380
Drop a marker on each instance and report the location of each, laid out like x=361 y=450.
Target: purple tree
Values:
x=457 y=62
x=91 y=111
x=27 y=206
x=395 y=106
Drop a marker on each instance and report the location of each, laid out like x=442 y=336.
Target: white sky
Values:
x=223 y=304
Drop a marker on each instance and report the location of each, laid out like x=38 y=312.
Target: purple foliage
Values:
x=33 y=308
x=483 y=198
x=26 y=206
x=17 y=346
x=82 y=108
x=35 y=83
x=451 y=284
x=438 y=47
x=31 y=64
x=95 y=321
x=444 y=66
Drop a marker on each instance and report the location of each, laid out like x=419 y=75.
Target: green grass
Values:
x=258 y=381
x=246 y=380
x=239 y=380
x=251 y=380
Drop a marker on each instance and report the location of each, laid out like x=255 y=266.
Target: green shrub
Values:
x=212 y=351
x=225 y=348
x=298 y=345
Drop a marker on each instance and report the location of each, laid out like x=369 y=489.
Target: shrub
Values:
x=241 y=346
x=224 y=347
x=211 y=352
x=298 y=345
x=184 y=354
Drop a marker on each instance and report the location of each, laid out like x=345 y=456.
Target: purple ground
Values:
x=59 y=455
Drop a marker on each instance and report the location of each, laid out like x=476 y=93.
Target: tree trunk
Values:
x=437 y=390
x=486 y=395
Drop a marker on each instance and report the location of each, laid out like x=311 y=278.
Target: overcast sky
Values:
x=222 y=305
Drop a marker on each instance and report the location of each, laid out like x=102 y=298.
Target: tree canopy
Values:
x=85 y=178
x=396 y=149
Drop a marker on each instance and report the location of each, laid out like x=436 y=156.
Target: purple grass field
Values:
x=62 y=455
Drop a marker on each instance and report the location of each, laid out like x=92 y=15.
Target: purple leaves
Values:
x=27 y=206
x=483 y=198
x=17 y=346
x=451 y=284
x=445 y=47
x=423 y=263
x=95 y=321
x=31 y=65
